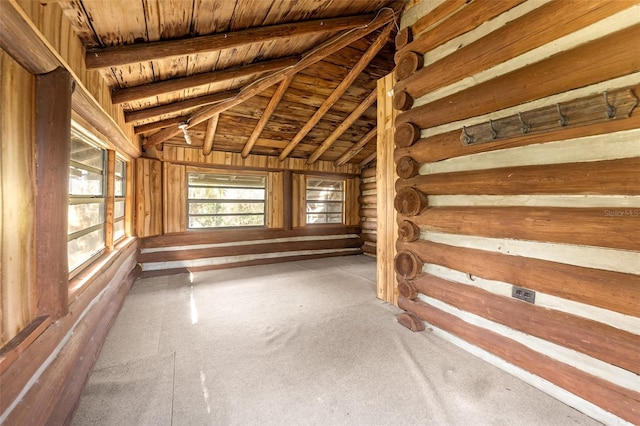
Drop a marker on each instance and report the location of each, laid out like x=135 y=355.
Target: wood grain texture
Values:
x=121 y=55
x=594 y=177
x=604 y=342
x=275 y=200
x=156 y=111
x=148 y=198
x=110 y=199
x=597 y=226
x=611 y=56
x=460 y=22
x=212 y=126
x=615 y=399
x=355 y=149
x=447 y=145
x=615 y=291
x=18 y=304
x=175 y=192
x=536 y=28
x=53 y=147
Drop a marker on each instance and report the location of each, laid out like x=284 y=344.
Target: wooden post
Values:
x=53 y=144
x=387 y=228
x=110 y=199
x=287 y=207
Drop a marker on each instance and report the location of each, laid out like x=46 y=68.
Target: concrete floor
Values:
x=301 y=343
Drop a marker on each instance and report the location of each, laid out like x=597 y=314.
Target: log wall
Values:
x=174 y=249
x=555 y=212
x=368 y=210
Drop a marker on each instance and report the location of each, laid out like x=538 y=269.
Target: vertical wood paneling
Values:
x=275 y=200
x=351 y=205
x=299 y=200
x=111 y=167
x=387 y=228
x=17 y=199
x=148 y=199
x=368 y=201
x=175 y=198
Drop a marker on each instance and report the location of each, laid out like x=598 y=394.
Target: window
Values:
x=325 y=200
x=86 y=219
x=119 y=194
x=221 y=201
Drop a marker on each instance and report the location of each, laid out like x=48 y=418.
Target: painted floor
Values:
x=300 y=343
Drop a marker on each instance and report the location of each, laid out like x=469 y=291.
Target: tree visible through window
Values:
x=221 y=201
x=325 y=200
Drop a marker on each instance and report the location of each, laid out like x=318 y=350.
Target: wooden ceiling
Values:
x=272 y=77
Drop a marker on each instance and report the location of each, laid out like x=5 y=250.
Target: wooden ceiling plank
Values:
x=352 y=118
x=332 y=45
x=271 y=107
x=351 y=152
x=212 y=125
x=176 y=84
x=134 y=53
x=371 y=52
x=156 y=111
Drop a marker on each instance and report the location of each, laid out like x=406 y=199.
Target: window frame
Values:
x=326 y=213
x=120 y=198
x=226 y=173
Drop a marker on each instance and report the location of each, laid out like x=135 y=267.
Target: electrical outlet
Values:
x=523 y=294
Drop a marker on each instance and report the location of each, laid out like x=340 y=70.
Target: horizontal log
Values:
x=181 y=254
x=369 y=172
x=521 y=35
x=407 y=168
x=612 y=177
x=371 y=237
x=406 y=134
x=606 y=343
x=599 y=227
x=408 y=64
x=368 y=213
x=584 y=285
x=403 y=37
x=368 y=186
x=368 y=159
x=368 y=199
x=407 y=264
x=140 y=52
x=232 y=236
x=156 y=111
x=407 y=289
x=369 y=225
x=370 y=249
x=408 y=231
x=447 y=145
x=402 y=101
x=410 y=321
x=609 y=57
x=156 y=125
x=463 y=20
x=612 y=398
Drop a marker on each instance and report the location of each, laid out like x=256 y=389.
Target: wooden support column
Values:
x=111 y=168
x=53 y=143
x=387 y=228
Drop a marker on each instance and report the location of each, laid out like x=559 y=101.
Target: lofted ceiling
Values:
x=272 y=77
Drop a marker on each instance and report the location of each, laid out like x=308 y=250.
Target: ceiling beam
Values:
x=136 y=93
x=135 y=53
x=144 y=114
x=369 y=159
x=366 y=58
x=212 y=125
x=352 y=118
x=317 y=54
x=354 y=150
x=144 y=128
x=273 y=104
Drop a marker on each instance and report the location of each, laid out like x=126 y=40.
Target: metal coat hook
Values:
x=525 y=127
x=611 y=110
x=467 y=137
x=564 y=120
x=494 y=132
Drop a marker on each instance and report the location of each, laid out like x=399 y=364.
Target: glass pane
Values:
x=83 y=216
x=81 y=249
x=208 y=179
x=119 y=189
x=321 y=195
x=226 y=193
x=118 y=209
x=316 y=218
x=118 y=230
x=322 y=184
x=86 y=154
x=334 y=218
x=225 y=208
x=324 y=207
x=83 y=182
x=225 y=221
